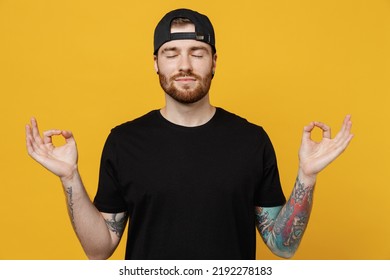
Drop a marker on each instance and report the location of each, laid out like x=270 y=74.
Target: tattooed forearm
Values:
x=117 y=223
x=69 y=193
x=264 y=223
x=302 y=192
x=282 y=228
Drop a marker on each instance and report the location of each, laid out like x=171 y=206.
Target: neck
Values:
x=189 y=115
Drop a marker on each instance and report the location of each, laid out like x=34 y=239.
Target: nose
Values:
x=185 y=64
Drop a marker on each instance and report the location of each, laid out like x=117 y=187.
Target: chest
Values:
x=191 y=168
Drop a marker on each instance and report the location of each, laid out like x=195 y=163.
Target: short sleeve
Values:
x=269 y=193
x=109 y=198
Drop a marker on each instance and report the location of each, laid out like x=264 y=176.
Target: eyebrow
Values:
x=198 y=48
x=169 y=49
x=195 y=48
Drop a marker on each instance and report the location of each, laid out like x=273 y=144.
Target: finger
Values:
x=347 y=119
x=344 y=126
x=33 y=148
x=347 y=141
x=342 y=145
x=48 y=134
x=347 y=125
x=68 y=135
x=345 y=131
x=28 y=140
x=326 y=131
x=33 y=140
x=307 y=131
x=28 y=131
x=35 y=131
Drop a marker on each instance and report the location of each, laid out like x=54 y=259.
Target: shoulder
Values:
x=143 y=122
x=138 y=128
x=239 y=124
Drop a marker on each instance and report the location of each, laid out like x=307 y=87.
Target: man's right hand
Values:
x=99 y=233
x=61 y=160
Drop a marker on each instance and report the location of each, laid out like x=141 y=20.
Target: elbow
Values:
x=99 y=250
x=282 y=251
x=99 y=253
x=98 y=256
x=284 y=254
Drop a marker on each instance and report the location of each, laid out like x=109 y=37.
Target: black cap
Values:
x=204 y=30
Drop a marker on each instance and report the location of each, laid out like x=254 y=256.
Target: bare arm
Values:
x=282 y=228
x=99 y=233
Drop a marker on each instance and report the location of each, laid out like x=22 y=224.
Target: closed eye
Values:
x=199 y=52
x=170 y=52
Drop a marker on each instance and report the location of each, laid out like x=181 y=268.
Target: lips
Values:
x=185 y=79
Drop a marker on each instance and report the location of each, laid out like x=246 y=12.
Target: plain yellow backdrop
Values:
x=87 y=66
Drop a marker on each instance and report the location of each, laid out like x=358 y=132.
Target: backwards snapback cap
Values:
x=204 y=30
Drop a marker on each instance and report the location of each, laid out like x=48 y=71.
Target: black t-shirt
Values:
x=190 y=191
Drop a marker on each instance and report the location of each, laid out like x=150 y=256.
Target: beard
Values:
x=186 y=94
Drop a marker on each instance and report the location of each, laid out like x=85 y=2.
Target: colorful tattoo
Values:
x=282 y=228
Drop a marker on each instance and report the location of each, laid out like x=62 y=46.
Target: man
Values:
x=194 y=179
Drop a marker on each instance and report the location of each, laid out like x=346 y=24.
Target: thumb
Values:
x=68 y=136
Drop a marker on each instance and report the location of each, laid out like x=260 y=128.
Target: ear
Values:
x=214 y=63
x=155 y=63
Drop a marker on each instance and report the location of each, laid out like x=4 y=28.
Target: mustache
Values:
x=186 y=75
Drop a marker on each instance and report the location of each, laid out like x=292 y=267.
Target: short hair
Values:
x=180 y=21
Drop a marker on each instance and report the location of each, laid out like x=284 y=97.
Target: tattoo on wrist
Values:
x=117 y=223
x=302 y=192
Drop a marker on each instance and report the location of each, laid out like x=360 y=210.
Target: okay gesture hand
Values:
x=315 y=156
x=62 y=160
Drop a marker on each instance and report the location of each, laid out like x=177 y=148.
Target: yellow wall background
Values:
x=87 y=66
